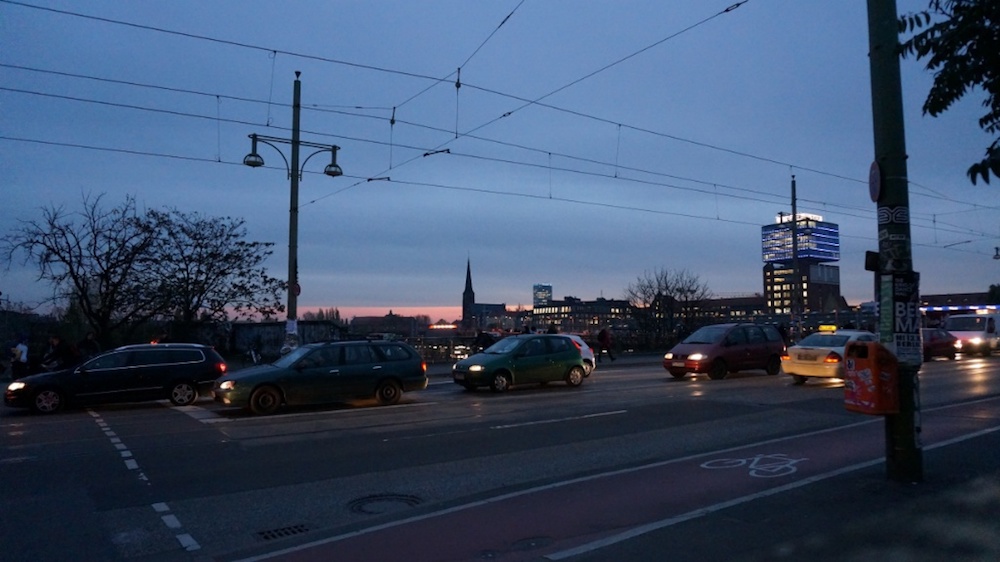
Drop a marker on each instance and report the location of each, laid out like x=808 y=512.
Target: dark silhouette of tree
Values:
x=207 y=270
x=119 y=269
x=963 y=51
x=91 y=258
x=664 y=302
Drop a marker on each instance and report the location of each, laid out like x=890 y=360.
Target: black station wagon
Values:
x=179 y=372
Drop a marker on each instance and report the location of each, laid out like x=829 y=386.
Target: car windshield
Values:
x=292 y=356
x=505 y=345
x=824 y=340
x=964 y=324
x=707 y=334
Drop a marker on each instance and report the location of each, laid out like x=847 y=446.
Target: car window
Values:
x=109 y=361
x=394 y=352
x=182 y=356
x=772 y=333
x=358 y=355
x=736 y=337
x=755 y=335
x=707 y=334
x=326 y=356
x=559 y=345
x=145 y=357
x=533 y=347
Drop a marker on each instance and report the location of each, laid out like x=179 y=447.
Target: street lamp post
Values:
x=254 y=160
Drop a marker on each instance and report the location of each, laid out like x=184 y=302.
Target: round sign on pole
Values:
x=874 y=182
x=298 y=289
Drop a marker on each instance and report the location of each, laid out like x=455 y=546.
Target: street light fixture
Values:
x=255 y=160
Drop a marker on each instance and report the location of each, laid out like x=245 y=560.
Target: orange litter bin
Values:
x=871 y=379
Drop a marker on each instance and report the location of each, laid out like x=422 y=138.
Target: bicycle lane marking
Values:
x=584 y=514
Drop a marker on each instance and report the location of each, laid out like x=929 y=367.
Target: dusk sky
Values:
x=590 y=141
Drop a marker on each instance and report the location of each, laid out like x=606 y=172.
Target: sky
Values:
x=588 y=143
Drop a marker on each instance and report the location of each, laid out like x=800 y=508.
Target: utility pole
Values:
x=899 y=306
x=797 y=308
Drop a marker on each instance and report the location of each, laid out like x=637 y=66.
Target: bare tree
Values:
x=91 y=259
x=665 y=302
x=209 y=271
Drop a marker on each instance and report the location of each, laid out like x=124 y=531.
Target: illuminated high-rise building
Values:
x=817 y=244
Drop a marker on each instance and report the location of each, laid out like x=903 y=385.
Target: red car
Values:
x=938 y=343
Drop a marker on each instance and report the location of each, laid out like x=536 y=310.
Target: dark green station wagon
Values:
x=323 y=373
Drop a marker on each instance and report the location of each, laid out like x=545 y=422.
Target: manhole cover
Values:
x=382 y=503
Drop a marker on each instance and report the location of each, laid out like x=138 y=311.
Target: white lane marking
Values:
x=171 y=521
x=188 y=542
x=559 y=420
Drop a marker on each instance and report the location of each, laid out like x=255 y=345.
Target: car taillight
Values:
x=423 y=366
x=785 y=357
x=833 y=357
x=221 y=368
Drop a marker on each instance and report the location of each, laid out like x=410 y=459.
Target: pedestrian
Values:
x=552 y=328
x=19 y=358
x=59 y=355
x=605 y=342
x=88 y=346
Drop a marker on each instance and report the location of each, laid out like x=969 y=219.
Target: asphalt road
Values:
x=630 y=466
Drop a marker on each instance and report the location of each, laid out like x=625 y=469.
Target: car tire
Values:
x=952 y=355
x=183 y=394
x=575 y=376
x=265 y=400
x=773 y=365
x=588 y=368
x=718 y=370
x=678 y=374
x=388 y=393
x=48 y=401
x=799 y=380
x=501 y=383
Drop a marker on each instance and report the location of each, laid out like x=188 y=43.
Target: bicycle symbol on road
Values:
x=761 y=466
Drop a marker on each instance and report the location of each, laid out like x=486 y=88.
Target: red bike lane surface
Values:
x=557 y=521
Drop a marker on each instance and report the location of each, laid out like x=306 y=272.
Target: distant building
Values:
x=818 y=243
x=479 y=316
x=576 y=316
x=541 y=295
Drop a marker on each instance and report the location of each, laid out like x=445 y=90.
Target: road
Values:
x=538 y=473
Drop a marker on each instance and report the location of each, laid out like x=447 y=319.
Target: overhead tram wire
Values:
x=361 y=180
x=379 y=69
x=424 y=150
x=526 y=101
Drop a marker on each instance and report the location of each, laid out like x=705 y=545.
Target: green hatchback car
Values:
x=523 y=359
x=323 y=373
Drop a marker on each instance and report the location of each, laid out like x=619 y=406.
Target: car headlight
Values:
x=976 y=341
x=476 y=368
x=16 y=385
x=669 y=355
x=227 y=385
x=696 y=356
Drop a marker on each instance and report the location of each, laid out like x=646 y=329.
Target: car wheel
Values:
x=388 y=393
x=718 y=370
x=500 y=383
x=47 y=401
x=575 y=376
x=265 y=400
x=588 y=368
x=799 y=379
x=951 y=356
x=678 y=374
x=183 y=394
x=773 y=365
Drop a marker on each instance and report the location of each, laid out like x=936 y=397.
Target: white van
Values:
x=976 y=333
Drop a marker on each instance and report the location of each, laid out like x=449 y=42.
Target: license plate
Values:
x=807 y=357
x=677 y=364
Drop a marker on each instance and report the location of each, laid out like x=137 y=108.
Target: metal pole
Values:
x=899 y=318
x=293 y=214
x=797 y=278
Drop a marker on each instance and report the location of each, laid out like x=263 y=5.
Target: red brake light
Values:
x=221 y=367
x=833 y=357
